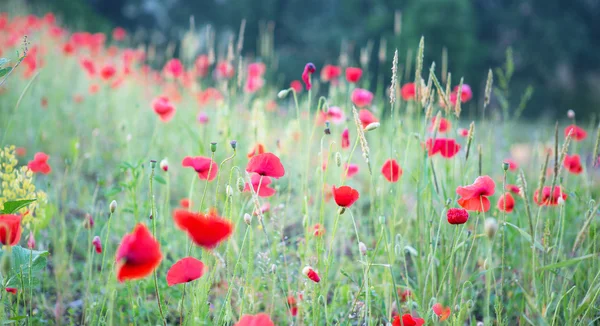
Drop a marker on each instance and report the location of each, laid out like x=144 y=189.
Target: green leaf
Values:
x=21 y=268
x=160 y=179
x=568 y=262
x=3 y=61
x=5 y=71
x=526 y=236
x=11 y=207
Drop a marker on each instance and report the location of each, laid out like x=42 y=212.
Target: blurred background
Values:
x=555 y=43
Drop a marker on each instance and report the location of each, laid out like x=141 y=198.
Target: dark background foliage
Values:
x=555 y=42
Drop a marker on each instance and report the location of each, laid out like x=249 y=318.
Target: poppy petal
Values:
x=185 y=270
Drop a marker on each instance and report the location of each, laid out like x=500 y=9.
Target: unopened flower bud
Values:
x=228 y=191
x=89 y=221
x=571 y=114
x=97 y=244
x=113 y=206
x=283 y=93
x=372 y=126
x=213 y=147
x=338 y=159
x=490 y=227
x=164 y=165
x=505 y=166
x=247 y=218
x=311 y=274
x=153 y=163
x=327 y=130
x=233 y=144
x=240 y=184
x=31 y=240
x=362 y=248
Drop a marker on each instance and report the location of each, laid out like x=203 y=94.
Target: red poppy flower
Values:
x=253 y=84
x=308 y=70
x=330 y=73
x=107 y=72
x=266 y=164
x=185 y=270
x=88 y=66
x=202 y=64
x=11 y=290
x=408 y=320
x=185 y=203
x=512 y=165
x=508 y=201
x=547 y=200
x=345 y=196
x=457 y=216
x=311 y=274
x=404 y=295
x=206 y=230
x=119 y=34
x=442 y=312
x=447 y=147
x=224 y=70
x=138 y=254
x=474 y=197
x=39 y=164
x=353 y=74
x=345 y=138
x=466 y=92
x=257 y=149
x=256 y=69
x=350 y=169
x=296 y=85
x=334 y=115
x=514 y=189
x=255 y=320
x=463 y=132
x=264 y=190
x=68 y=48
x=163 y=107
x=293 y=305
x=391 y=170
x=361 y=97
x=573 y=164
x=318 y=230
x=173 y=68
x=366 y=117
x=10 y=229
x=408 y=91
x=97 y=244
x=263 y=209
x=202 y=165
x=443 y=127
x=577 y=133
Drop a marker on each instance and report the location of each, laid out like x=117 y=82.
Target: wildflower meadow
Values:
x=140 y=187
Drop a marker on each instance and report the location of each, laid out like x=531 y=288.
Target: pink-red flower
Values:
x=97 y=244
x=408 y=91
x=39 y=164
x=10 y=229
x=361 y=97
x=506 y=203
x=174 y=68
x=408 y=320
x=353 y=74
x=119 y=34
x=573 y=163
x=334 y=115
x=205 y=230
x=296 y=85
x=256 y=69
x=474 y=197
x=203 y=166
x=466 y=92
x=330 y=73
x=345 y=196
x=185 y=270
x=224 y=70
x=391 y=171
x=446 y=147
x=457 y=216
x=163 y=107
x=309 y=69
x=318 y=230
x=350 y=169
x=255 y=320
x=366 y=117
x=293 y=305
x=577 y=133
x=443 y=127
x=442 y=312
x=107 y=72
x=138 y=254
x=463 y=132
x=345 y=138
x=265 y=190
x=266 y=164
x=11 y=290
x=311 y=274
x=549 y=199
x=512 y=165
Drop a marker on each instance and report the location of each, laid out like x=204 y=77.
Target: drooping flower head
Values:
x=474 y=197
x=391 y=171
x=266 y=164
x=185 y=270
x=202 y=165
x=361 y=97
x=205 y=230
x=309 y=69
x=10 y=229
x=39 y=164
x=345 y=196
x=138 y=254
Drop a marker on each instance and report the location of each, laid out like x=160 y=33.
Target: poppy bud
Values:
x=490 y=227
x=240 y=184
x=311 y=274
x=327 y=130
x=113 y=206
x=233 y=144
x=372 y=126
x=571 y=114
x=31 y=240
x=362 y=248
x=457 y=216
x=97 y=244
x=247 y=218
x=164 y=165
x=153 y=163
x=89 y=221
x=505 y=166
x=283 y=93
x=12 y=290
x=228 y=191
x=213 y=147
x=338 y=159
x=341 y=210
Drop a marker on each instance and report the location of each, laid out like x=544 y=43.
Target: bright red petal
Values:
x=255 y=320
x=138 y=254
x=266 y=164
x=185 y=270
x=206 y=230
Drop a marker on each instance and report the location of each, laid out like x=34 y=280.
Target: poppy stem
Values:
x=219 y=174
x=212 y=156
x=153 y=213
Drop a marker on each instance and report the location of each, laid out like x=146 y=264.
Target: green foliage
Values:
x=25 y=266
x=11 y=207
